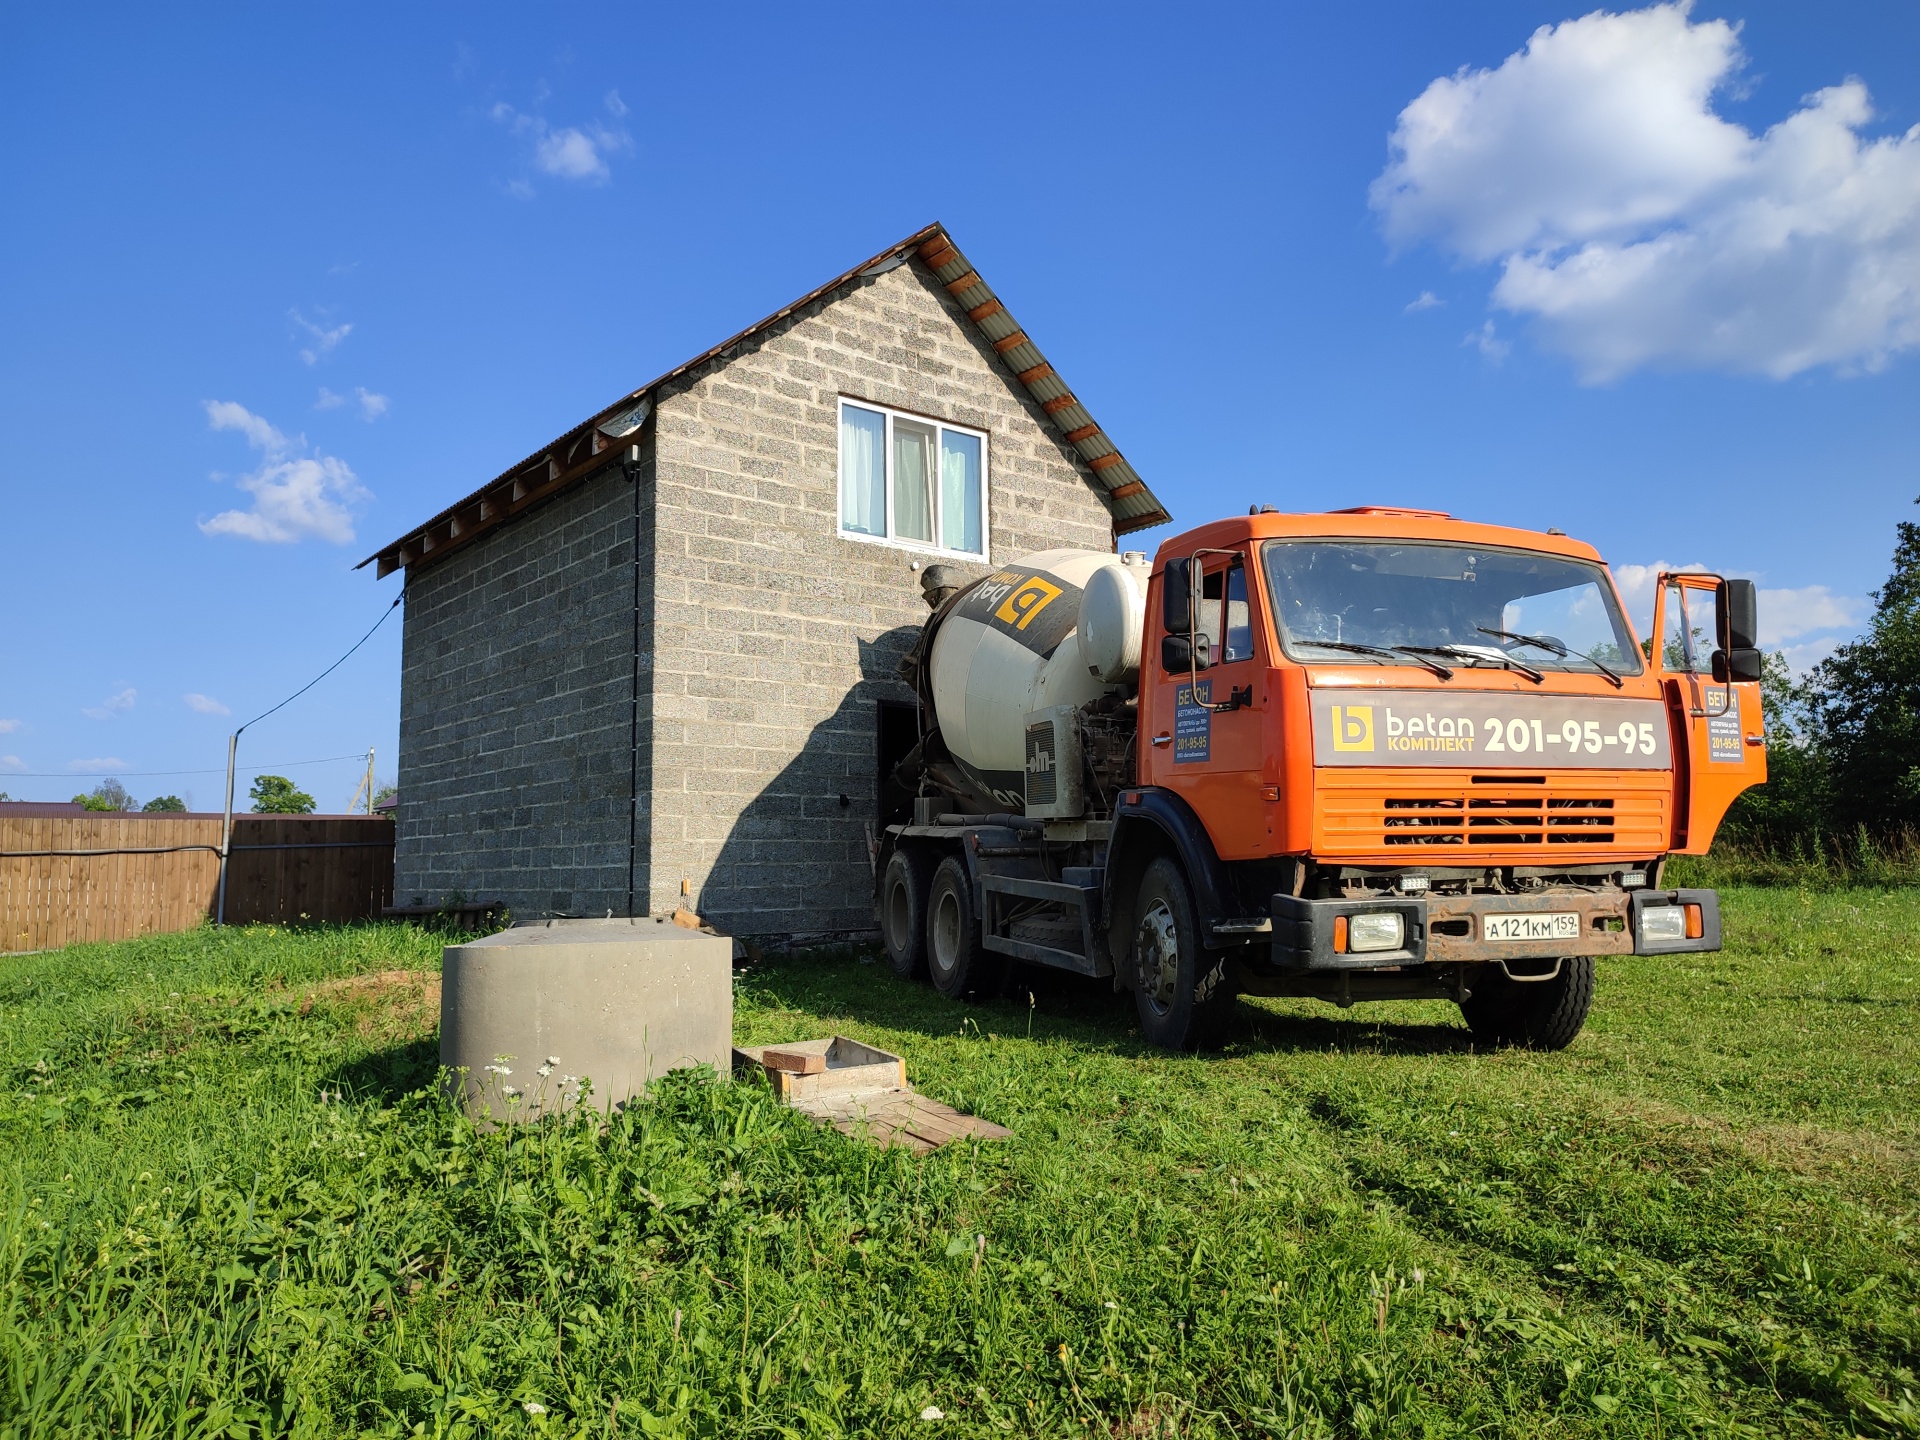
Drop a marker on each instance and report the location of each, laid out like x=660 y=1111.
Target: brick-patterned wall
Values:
x=515 y=712
x=775 y=637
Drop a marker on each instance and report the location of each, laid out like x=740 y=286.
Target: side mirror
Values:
x=1176 y=605
x=1740 y=663
x=1178 y=657
x=1736 y=616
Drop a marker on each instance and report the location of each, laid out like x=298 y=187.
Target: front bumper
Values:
x=1451 y=929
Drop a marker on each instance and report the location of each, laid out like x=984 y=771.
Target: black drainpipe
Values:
x=631 y=468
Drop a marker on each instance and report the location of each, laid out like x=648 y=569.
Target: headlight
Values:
x=1661 y=923
x=1376 y=931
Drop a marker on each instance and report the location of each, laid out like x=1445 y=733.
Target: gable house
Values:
x=654 y=664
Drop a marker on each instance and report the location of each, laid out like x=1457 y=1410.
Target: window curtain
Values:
x=960 y=491
x=863 y=471
x=912 y=481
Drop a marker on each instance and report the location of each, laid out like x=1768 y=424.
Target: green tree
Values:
x=169 y=803
x=1791 y=807
x=108 y=795
x=1865 y=698
x=276 y=795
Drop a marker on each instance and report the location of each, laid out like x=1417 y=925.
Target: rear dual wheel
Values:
x=957 y=963
x=903 y=912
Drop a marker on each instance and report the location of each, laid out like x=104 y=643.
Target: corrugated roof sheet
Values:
x=584 y=449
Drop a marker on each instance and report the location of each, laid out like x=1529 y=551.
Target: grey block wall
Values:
x=775 y=637
x=515 y=712
x=767 y=640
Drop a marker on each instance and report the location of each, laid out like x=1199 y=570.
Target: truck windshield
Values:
x=1334 y=598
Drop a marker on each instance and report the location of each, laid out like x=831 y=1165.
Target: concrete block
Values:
x=620 y=1001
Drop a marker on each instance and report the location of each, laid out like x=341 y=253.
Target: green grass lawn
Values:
x=232 y=1205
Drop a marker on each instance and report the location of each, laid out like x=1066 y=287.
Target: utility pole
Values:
x=226 y=829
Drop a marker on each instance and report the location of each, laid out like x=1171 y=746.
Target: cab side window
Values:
x=1687 y=644
x=1225 y=622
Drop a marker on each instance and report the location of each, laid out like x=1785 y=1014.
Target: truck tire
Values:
x=1184 y=994
x=957 y=963
x=903 y=912
x=1539 y=1014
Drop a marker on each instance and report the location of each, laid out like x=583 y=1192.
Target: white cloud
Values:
x=567 y=152
x=1785 y=613
x=1802 y=658
x=1425 y=300
x=1789 y=614
x=7 y=727
x=1636 y=584
x=372 y=406
x=112 y=705
x=325 y=338
x=571 y=154
x=1490 y=345
x=98 y=765
x=12 y=763
x=226 y=415
x=1637 y=227
x=294 y=495
x=616 y=107
x=205 y=704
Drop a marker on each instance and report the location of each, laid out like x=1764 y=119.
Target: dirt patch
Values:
x=383 y=1005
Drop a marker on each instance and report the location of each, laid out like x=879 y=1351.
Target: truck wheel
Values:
x=903 y=913
x=957 y=963
x=1184 y=995
x=1539 y=1014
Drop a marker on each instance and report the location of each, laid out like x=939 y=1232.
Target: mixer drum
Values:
x=1010 y=646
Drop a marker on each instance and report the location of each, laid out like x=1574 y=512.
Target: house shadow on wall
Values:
x=797 y=864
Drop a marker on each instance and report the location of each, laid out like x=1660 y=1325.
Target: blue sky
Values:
x=363 y=258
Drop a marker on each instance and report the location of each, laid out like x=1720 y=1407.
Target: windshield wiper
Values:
x=1461 y=652
x=1552 y=647
x=1434 y=665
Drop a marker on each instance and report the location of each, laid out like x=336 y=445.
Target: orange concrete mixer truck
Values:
x=1367 y=755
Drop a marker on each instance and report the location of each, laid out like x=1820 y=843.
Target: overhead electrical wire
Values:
x=151 y=774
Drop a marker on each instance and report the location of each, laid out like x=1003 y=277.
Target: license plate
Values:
x=1557 y=926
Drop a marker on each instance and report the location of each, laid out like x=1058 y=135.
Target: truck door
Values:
x=1212 y=756
x=1719 y=737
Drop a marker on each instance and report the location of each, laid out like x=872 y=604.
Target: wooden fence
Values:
x=112 y=877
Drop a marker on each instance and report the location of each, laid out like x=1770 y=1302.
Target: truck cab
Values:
x=1373 y=754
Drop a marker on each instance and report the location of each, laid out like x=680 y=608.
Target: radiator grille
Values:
x=1529 y=813
x=1043 y=769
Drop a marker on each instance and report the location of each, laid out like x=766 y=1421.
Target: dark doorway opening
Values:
x=898 y=730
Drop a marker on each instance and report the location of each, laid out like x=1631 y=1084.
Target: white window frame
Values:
x=890 y=539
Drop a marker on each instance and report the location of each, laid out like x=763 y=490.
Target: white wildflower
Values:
x=933 y=1412
x=509 y=1090
x=544 y=1071
x=553 y=1059
x=1112 y=1306
x=533 y=1407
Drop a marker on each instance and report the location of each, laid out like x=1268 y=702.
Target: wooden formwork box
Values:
x=864 y=1090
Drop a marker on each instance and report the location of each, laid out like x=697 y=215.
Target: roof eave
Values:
x=583 y=449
